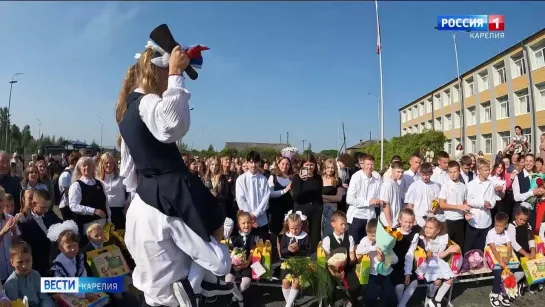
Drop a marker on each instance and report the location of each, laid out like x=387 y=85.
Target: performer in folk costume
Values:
x=173 y=221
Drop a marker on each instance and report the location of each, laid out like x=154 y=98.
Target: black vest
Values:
x=164 y=182
x=334 y=244
x=524 y=182
x=91 y=196
x=469 y=177
x=523 y=236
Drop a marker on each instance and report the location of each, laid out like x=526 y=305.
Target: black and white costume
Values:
x=172 y=214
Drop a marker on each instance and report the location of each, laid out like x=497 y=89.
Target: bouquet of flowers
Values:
x=336 y=263
x=509 y=283
x=290 y=153
x=238 y=256
x=434 y=206
x=536 y=181
x=386 y=239
x=310 y=275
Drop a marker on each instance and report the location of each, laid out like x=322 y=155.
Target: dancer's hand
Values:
x=178 y=61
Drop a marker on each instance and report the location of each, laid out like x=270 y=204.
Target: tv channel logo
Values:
x=471 y=23
x=81 y=284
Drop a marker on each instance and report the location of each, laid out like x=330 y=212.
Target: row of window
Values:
x=486 y=144
x=470 y=87
x=521 y=105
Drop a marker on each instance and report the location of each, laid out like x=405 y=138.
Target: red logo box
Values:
x=496 y=23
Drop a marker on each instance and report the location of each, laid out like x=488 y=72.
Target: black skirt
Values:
x=247 y=272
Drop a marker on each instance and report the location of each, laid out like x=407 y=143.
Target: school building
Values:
x=505 y=91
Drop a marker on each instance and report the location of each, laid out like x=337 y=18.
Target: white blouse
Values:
x=114 y=190
x=167 y=119
x=74 y=198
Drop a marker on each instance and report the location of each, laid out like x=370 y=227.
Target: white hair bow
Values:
x=161 y=61
x=440 y=217
x=301 y=215
x=55 y=230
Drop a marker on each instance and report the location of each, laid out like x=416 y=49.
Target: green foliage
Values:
x=406 y=145
x=311 y=275
x=329 y=153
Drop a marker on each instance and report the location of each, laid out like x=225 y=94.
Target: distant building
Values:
x=247 y=145
x=351 y=150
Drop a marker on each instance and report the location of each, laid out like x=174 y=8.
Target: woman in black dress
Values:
x=306 y=190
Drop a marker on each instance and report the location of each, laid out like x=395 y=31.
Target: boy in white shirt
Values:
x=496 y=237
x=452 y=200
x=440 y=173
x=480 y=197
x=362 y=197
x=367 y=247
x=390 y=196
x=421 y=194
x=252 y=193
x=410 y=176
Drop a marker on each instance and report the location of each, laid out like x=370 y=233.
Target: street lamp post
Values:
x=39 y=128
x=9 y=107
x=101 y=130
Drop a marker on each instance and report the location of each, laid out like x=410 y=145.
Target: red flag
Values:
x=379 y=46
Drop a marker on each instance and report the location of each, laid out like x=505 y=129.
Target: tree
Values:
x=329 y=153
x=182 y=147
x=95 y=146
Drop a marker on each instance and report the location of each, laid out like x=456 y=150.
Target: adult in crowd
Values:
x=64 y=182
x=306 y=190
x=332 y=192
x=345 y=173
x=19 y=166
x=86 y=198
x=281 y=200
x=173 y=221
x=459 y=153
x=116 y=195
x=226 y=189
x=11 y=184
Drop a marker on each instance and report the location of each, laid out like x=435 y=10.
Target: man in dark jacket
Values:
x=10 y=183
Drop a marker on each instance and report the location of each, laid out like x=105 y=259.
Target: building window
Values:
x=471 y=117
x=428 y=106
x=438 y=124
x=499 y=74
x=539 y=55
x=540 y=92
x=448 y=146
x=472 y=144
x=528 y=134
x=455 y=93
x=503 y=107
x=446 y=98
x=522 y=103
x=422 y=127
x=486 y=114
x=415 y=112
x=404 y=131
x=470 y=89
x=519 y=66
x=483 y=86
x=448 y=122
x=422 y=109
x=487 y=142
x=457 y=119
x=505 y=139
x=437 y=102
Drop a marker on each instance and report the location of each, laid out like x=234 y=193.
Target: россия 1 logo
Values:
x=478 y=26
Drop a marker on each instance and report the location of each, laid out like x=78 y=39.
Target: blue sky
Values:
x=273 y=67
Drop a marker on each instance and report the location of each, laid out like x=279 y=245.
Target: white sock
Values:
x=519 y=276
x=408 y=293
x=245 y=284
x=292 y=297
x=432 y=288
x=399 y=291
x=442 y=291
x=286 y=293
x=229 y=278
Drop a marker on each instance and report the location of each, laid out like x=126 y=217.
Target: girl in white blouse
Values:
x=86 y=198
x=116 y=197
x=31 y=182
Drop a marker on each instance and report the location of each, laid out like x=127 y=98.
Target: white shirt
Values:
x=65 y=180
x=466 y=177
x=498 y=239
x=163 y=247
x=497 y=181
x=252 y=193
x=421 y=194
x=477 y=193
x=409 y=177
x=360 y=192
x=454 y=193
x=366 y=247
x=440 y=176
x=512 y=233
x=38 y=186
x=437 y=245
x=389 y=193
x=516 y=188
x=326 y=243
x=114 y=190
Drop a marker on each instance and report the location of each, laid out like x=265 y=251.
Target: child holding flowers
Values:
x=295 y=242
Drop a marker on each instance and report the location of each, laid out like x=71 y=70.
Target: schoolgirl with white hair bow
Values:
x=294 y=242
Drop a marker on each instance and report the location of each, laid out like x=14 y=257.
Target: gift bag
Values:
x=100 y=299
x=117 y=237
x=266 y=260
x=514 y=262
x=320 y=255
x=20 y=302
x=455 y=260
x=419 y=258
x=107 y=262
x=540 y=247
x=362 y=270
x=256 y=258
x=534 y=270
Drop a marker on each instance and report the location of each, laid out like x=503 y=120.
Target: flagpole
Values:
x=379 y=47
